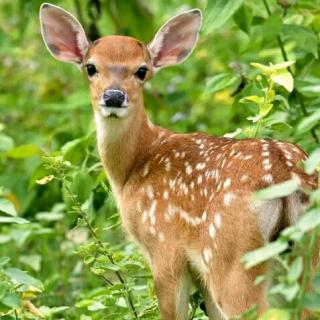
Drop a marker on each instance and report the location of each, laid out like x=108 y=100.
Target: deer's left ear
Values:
x=176 y=39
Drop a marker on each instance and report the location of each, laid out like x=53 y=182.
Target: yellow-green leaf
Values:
x=283 y=78
x=45 y=179
x=275 y=314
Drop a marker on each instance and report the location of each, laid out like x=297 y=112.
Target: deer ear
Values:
x=176 y=39
x=62 y=34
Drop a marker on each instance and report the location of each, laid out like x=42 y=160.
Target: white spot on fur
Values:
x=244 y=178
x=217 y=220
x=212 y=231
x=166 y=194
x=167 y=164
x=204 y=216
x=161 y=236
x=189 y=169
x=149 y=192
x=268 y=178
x=200 y=166
x=227 y=183
x=145 y=170
x=228 y=197
x=207 y=255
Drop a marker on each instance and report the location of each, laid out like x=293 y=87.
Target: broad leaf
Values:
x=270 y=250
x=304 y=38
x=283 y=78
x=7 y=207
x=218 y=12
x=312 y=162
x=279 y=190
x=219 y=82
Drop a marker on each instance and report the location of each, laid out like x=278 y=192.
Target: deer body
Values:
x=185 y=198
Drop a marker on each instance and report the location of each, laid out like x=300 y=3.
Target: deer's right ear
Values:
x=63 y=34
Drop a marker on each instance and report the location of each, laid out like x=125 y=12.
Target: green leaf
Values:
x=288 y=291
x=4 y=261
x=271 y=28
x=272 y=67
x=256 y=99
x=13 y=220
x=7 y=207
x=243 y=18
x=309 y=122
x=283 y=78
x=309 y=220
x=312 y=162
x=6 y=143
x=270 y=250
x=31 y=260
x=304 y=38
x=219 y=82
x=12 y=300
x=24 y=151
x=311 y=301
x=218 y=12
x=45 y=180
x=49 y=216
x=295 y=270
x=265 y=109
x=21 y=277
x=279 y=190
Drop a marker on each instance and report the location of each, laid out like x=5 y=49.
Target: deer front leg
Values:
x=172 y=283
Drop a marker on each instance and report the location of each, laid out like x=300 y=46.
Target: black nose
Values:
x=114 y=98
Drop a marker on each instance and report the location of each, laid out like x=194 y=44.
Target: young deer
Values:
x=185 y=198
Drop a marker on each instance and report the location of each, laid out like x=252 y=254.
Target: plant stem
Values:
x=93 y=233
x=308 y=271
x=295 y=92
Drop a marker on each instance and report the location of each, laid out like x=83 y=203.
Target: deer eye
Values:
x=91 y=69
x=141 y=73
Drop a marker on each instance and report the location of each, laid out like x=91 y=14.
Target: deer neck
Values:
x=122 y=143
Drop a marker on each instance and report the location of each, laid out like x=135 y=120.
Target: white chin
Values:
x=109 y=112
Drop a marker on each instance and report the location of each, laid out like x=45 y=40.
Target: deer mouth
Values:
x=113 y=112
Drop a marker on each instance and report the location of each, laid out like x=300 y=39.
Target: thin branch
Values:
x=295 y=92
x=93 y=233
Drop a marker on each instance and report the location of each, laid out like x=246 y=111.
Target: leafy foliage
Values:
x=62 y=252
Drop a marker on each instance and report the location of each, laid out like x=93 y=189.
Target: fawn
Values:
x=185 y=198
